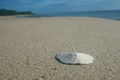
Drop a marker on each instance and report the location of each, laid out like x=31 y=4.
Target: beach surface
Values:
x=28 y=47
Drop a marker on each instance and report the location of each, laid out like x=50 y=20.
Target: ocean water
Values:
x=108 y=14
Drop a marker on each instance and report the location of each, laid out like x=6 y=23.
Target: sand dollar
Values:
x=74 y=58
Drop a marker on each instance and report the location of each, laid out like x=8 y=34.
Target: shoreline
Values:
x=25 y=16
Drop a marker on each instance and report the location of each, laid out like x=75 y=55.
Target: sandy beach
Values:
x=28 y=47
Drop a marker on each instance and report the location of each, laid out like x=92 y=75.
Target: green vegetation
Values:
x=4 y=12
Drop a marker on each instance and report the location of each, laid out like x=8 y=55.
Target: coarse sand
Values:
x=28 y=47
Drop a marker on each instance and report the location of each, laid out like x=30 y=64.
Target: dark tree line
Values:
x=4 y=12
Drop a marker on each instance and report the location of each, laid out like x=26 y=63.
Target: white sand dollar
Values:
x=74 y=58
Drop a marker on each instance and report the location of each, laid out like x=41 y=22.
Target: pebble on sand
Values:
x=74 y=58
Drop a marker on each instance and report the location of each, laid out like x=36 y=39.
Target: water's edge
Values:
x=113 y=14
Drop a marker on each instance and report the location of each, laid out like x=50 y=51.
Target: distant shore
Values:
x=28 y=47
x=4 y=12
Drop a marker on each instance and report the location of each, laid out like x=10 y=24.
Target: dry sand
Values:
x=28 y=47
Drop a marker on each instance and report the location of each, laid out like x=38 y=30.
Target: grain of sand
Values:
x=28 y=47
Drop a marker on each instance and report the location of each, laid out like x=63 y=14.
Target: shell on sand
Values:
x=74 y=58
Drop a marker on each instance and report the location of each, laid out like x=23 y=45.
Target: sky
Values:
x=54 y=6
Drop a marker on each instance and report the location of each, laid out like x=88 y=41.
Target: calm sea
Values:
x=110 y=14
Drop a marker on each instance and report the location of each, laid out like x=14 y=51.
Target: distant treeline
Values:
x=4 y=12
